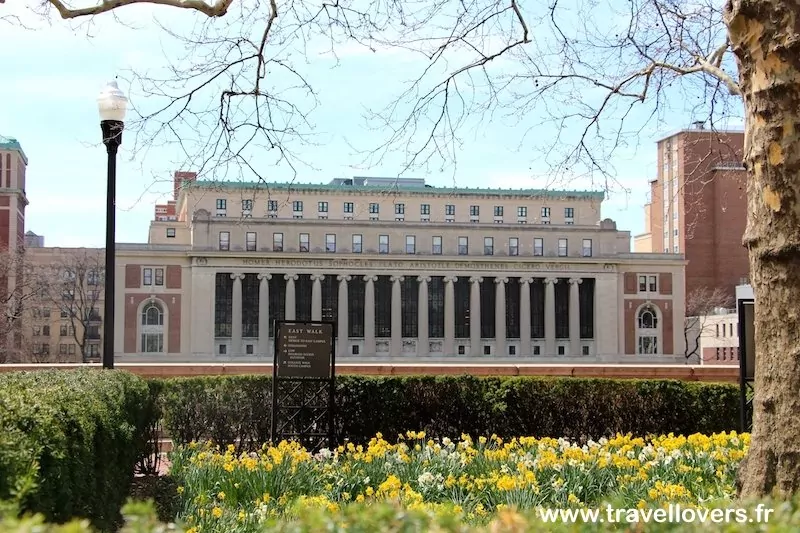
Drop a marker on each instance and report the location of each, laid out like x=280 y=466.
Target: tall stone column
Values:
x=449 y=347
x=397 y=316
x=574 y=316
x=236 y=318
x=342 y=323
x=316 y=296
x=500 y=316
x=290 y=306
x=263 y=315
x=369 y=315
x=550 y=316
x=475 y=316
x=422 y=316
x=525 y=316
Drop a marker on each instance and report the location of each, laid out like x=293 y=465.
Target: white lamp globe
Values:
x=112 y=103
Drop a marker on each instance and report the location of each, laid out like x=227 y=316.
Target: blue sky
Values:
x=53 y=73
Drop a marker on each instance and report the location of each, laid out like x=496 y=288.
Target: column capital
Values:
x=292 y=277
x=237 y=275
x=317 y=277
x=500 y=280
x=526 y=280
x=450 y=279
x=426 y=279
x=551 y=280
x=475 y=279
x=397 y=279
x=575 y=281
x=264 y=276
x=344 y=277
x=370 y=277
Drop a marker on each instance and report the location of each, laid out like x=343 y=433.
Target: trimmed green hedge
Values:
x=69 y=441
x=238 y=408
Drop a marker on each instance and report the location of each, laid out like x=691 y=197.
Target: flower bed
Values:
x=467 y=479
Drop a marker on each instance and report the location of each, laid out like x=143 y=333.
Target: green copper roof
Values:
x=10 y=143
x=411 y=189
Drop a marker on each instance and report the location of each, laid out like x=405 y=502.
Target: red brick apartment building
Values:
x=698 y=207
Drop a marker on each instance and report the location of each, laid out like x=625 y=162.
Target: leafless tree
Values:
x=17 y=290
x=73 y=286
x=700 y=304
x=598 y=70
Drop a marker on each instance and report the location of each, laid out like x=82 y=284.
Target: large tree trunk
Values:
x=765 y=36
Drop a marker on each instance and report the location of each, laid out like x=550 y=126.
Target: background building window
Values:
x=277 y=242
x=411 y=244
x=330 y=242
x=563 y=250
x=436 y=245
x=513 y=246
x=538 y=246
x=348 y=207
x=224 y=240
x=305 y=242
x=170 y=233
x=488 y=246
x=587 y=248
x=383 y=244
x=357 y=244
x=463 y=246
x=250 y=242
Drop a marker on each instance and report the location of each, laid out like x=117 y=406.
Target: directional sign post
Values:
x=303 y=383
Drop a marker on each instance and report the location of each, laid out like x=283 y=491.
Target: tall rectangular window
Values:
x=297 y=205
x=330 y=242
x=305 y=242
x=498 y=210
x=399 y=209
x=538 y=246
x=463 y=246
x=436 y=245
x=488 y=246
x=474 y=210
x=357 y=243
x=425 y=209
x=251 y=242
x=224 y=240
x=222 y=203
x=522 y=211
x=348 y=207
x=587 y=248
x=374 y=208
x=247 y=205
x=562 y=248
x=411 y=244
x=545 y=212
x=513 y=246
x=322 y=207
x=272 y=205
x=383 y=244
x=277 y=242
x=450 y=210
x=147 y=276
x=159 y=281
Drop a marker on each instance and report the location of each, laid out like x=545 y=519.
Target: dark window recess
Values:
x=562 y=308
x=223 y=305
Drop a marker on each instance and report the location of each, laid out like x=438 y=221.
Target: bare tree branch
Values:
x=217 y=9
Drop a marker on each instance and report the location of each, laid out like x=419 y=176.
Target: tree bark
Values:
x=765 y=37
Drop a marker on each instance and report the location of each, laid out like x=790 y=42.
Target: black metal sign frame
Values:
x=745 y=379
x=303 y=406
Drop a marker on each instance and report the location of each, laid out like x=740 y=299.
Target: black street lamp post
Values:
x=112 y=105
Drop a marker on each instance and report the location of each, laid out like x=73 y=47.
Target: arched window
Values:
x=647 y=331
x=152 y=332
x=647 y=319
